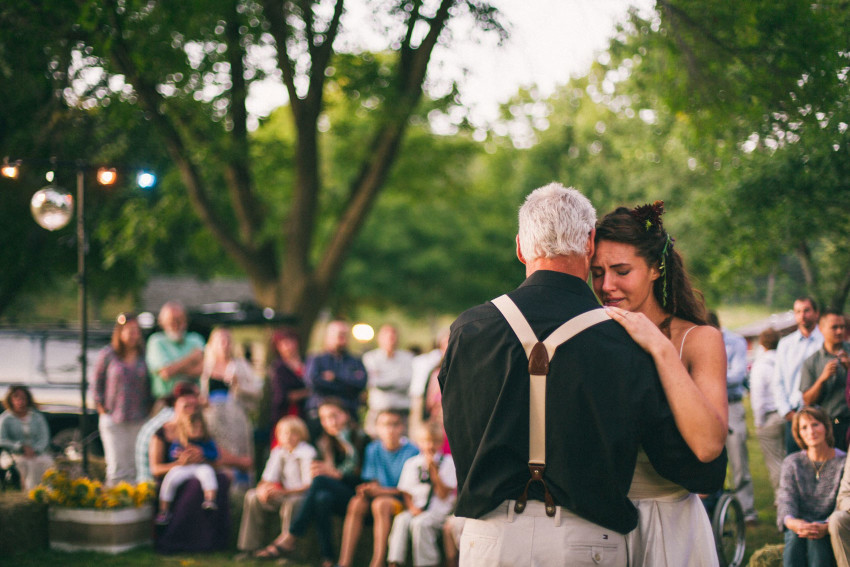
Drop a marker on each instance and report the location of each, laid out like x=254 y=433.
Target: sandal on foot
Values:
x=272 y=551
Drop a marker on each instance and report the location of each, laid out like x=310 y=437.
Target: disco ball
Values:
x=52 y=207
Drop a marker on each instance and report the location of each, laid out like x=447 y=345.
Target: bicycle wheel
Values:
x=727 y=524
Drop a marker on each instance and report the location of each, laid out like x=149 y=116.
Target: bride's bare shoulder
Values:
x=694 y=338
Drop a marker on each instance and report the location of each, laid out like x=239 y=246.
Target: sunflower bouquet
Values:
x=59 y=489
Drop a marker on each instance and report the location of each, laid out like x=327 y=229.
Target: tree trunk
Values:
x=804 y=254
x=839 y=298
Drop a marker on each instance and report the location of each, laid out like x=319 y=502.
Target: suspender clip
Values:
x=537 y=470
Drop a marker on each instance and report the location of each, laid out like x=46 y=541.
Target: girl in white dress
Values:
x=641 y=280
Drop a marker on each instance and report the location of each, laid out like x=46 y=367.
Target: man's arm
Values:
x=354 y=375
x=781 y=396
x=190 y=365
x=159 y=363
x=321 y=379
x=812 y=382
x=736 y=374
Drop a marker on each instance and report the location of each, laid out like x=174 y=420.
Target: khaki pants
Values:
x=532 y=538
x=771 y=438
x=739 y=459
x=839 y=533
x=255 y=514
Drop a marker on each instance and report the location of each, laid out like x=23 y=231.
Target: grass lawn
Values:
x=757 y=537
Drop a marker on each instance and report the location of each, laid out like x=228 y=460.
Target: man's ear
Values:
x=591 y=243
x=519 y=251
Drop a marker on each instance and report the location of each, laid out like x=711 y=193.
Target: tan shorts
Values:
x=532 y=538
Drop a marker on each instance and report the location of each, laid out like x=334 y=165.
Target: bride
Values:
x=642 y=282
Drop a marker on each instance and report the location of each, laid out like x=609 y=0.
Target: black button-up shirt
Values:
x=603 y=401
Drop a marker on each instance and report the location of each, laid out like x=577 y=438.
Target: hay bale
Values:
x=23 y=524
x=768 y=556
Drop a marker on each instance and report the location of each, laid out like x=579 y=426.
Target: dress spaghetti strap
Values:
x=685 y=336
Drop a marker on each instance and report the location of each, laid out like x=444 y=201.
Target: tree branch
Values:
x=277 y=16
x=238 y=175
x=320 y=58
x=804 y=254
x=302 y=217
x=405 y=49
x=384 y=147
x=177 y=149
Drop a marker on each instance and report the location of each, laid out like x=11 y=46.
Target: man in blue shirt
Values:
x=791 y=352
x=335 y=373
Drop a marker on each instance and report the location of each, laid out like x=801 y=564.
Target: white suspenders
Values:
x=539 y=354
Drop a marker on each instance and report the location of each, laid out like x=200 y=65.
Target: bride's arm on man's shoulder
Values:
x=695 y=384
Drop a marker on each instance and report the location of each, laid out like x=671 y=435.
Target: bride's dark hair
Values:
x=641 y=227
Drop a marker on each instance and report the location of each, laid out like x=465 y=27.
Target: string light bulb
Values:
x=106 y=175
x=10 y=170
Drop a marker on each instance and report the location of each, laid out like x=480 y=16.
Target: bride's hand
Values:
x=640 y=328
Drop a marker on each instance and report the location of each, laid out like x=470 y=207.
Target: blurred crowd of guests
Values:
x=361 y=438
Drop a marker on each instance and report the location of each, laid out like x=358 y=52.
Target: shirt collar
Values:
x=561 y=280
x=814 y=335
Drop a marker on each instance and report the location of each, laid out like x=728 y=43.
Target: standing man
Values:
x=335 y=372
x=790 y=354
x=823 y=378
x=599 y=400
x=389 y=371
x=770 y=426
x=173 y=355
x=736 y=441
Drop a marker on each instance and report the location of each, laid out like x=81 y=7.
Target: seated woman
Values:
x=192 y=433
x=24 y=432
x=335 y=477
x=808 y=487
x=191 y=527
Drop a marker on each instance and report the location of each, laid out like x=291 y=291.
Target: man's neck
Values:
x=578 y=266
x=832 y=348
x=805 y=331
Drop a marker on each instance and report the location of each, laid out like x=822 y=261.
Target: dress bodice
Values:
x=647 y=483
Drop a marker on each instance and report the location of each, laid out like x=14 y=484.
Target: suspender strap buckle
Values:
x=538 y=360
x=536 y=470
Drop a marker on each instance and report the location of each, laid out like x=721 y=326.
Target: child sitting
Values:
x=378 y=495
x=284 y=481
x=191 y=431
x=428 y=485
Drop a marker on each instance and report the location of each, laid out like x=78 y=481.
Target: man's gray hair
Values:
x=555 y=221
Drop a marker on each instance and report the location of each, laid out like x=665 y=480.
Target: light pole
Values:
x=51 y=208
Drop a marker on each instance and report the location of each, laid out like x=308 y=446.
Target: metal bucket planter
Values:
x=108 y=531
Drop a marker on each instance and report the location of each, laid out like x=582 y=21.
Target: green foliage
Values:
x=761 y=88
x=733 y=66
